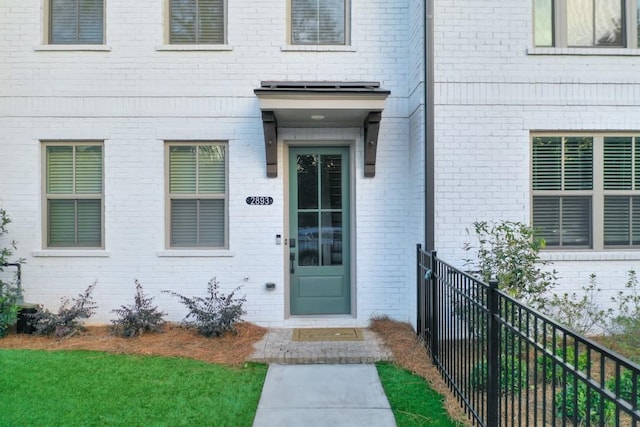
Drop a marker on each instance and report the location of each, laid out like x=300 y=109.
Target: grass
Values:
x=413 y=402
x=84 y=388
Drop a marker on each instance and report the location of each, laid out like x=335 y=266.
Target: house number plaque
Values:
x=259 y=200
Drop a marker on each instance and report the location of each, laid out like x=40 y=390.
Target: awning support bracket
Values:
x=371 y=130
x=270 y=142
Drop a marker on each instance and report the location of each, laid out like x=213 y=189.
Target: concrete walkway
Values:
x=323 y=395
x=277 y=346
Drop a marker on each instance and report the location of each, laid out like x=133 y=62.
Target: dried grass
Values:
x=412 y=355
x=175 y=341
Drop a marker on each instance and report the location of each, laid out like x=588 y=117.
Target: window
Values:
x=587 y=23
x=586 y=190
x=76 y=21
x=73 y=195
x=196 y=22
x=197 y=195
x=318 y=22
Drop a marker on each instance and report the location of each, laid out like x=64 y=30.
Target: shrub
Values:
x=133 y=320
x=509 y=252
x=550 y=369
x=626 y=324
x=580 y=314
x=513 y=375
x=581 y=394
x=8 y=292
x=67 y=321
x=626 y=387
x=214 y=315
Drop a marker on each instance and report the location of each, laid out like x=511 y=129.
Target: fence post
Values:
x=419 y=293
x=493 y=355
x=433 y=320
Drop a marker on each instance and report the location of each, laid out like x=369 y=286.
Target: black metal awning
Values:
x=321 y=104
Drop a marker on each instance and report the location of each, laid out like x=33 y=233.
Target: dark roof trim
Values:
x=309 y=87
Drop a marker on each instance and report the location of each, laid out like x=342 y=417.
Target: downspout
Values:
x=429 y=123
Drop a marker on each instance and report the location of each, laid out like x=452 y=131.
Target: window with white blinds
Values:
x=196 y=22
x=197 y=195
x=319 y=22
x=74 y=195
x=586 y=190
x=76 y=21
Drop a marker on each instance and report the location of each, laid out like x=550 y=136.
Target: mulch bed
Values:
x=175 y=341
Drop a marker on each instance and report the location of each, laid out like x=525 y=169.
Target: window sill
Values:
x=583 y=51
x=194 y=47
x=188 y=253
x=84 y=253
x=317 y=48
x=587 y=255
x=72 y=48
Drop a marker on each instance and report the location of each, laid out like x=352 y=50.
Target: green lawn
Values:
x=83 y=388
x=413 y=402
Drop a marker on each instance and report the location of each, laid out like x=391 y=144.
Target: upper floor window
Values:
x=197 y=195
x=586 y=190
x=73 y=195
x=319 y=22
x=76 y=21
x=196 y=22
x=587 y=23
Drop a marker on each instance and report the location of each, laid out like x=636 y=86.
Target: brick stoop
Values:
x=278 y=346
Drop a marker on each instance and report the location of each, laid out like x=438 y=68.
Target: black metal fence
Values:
x=510 y=365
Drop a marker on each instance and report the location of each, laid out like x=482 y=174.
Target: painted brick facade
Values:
x=136 y=92
x=493 y=89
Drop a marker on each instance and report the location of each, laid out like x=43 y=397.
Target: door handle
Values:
x=292 y=258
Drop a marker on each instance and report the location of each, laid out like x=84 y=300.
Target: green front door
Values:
x=319 y=230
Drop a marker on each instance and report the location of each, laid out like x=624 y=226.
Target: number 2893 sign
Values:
x=259 y=200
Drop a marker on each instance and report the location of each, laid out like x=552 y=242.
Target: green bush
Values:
x=566 y=408
x=8 y=291
x=214 y=315
x=550 y=369
x=513 y=375
x=509 y=252
x=626 y=387
x=579 y=313
x=625 y=326
x=67 y=321
x=142 y=316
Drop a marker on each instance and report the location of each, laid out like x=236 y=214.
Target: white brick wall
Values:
x=491 y=92
x=134 y=96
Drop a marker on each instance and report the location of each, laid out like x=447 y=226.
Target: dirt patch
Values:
x=175 y=341
x=412 y=355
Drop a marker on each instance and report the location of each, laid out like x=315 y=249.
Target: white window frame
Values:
x=597 y=193
x=559 y=36
x=347 y=28
x=185 y=196
x=47 y=27
x=75 y=196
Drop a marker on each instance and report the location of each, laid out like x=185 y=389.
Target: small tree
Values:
x=214 y=315
x=8 y=291
x=142 y=316
x=510 y=253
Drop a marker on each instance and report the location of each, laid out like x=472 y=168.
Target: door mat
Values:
x=327 y=334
